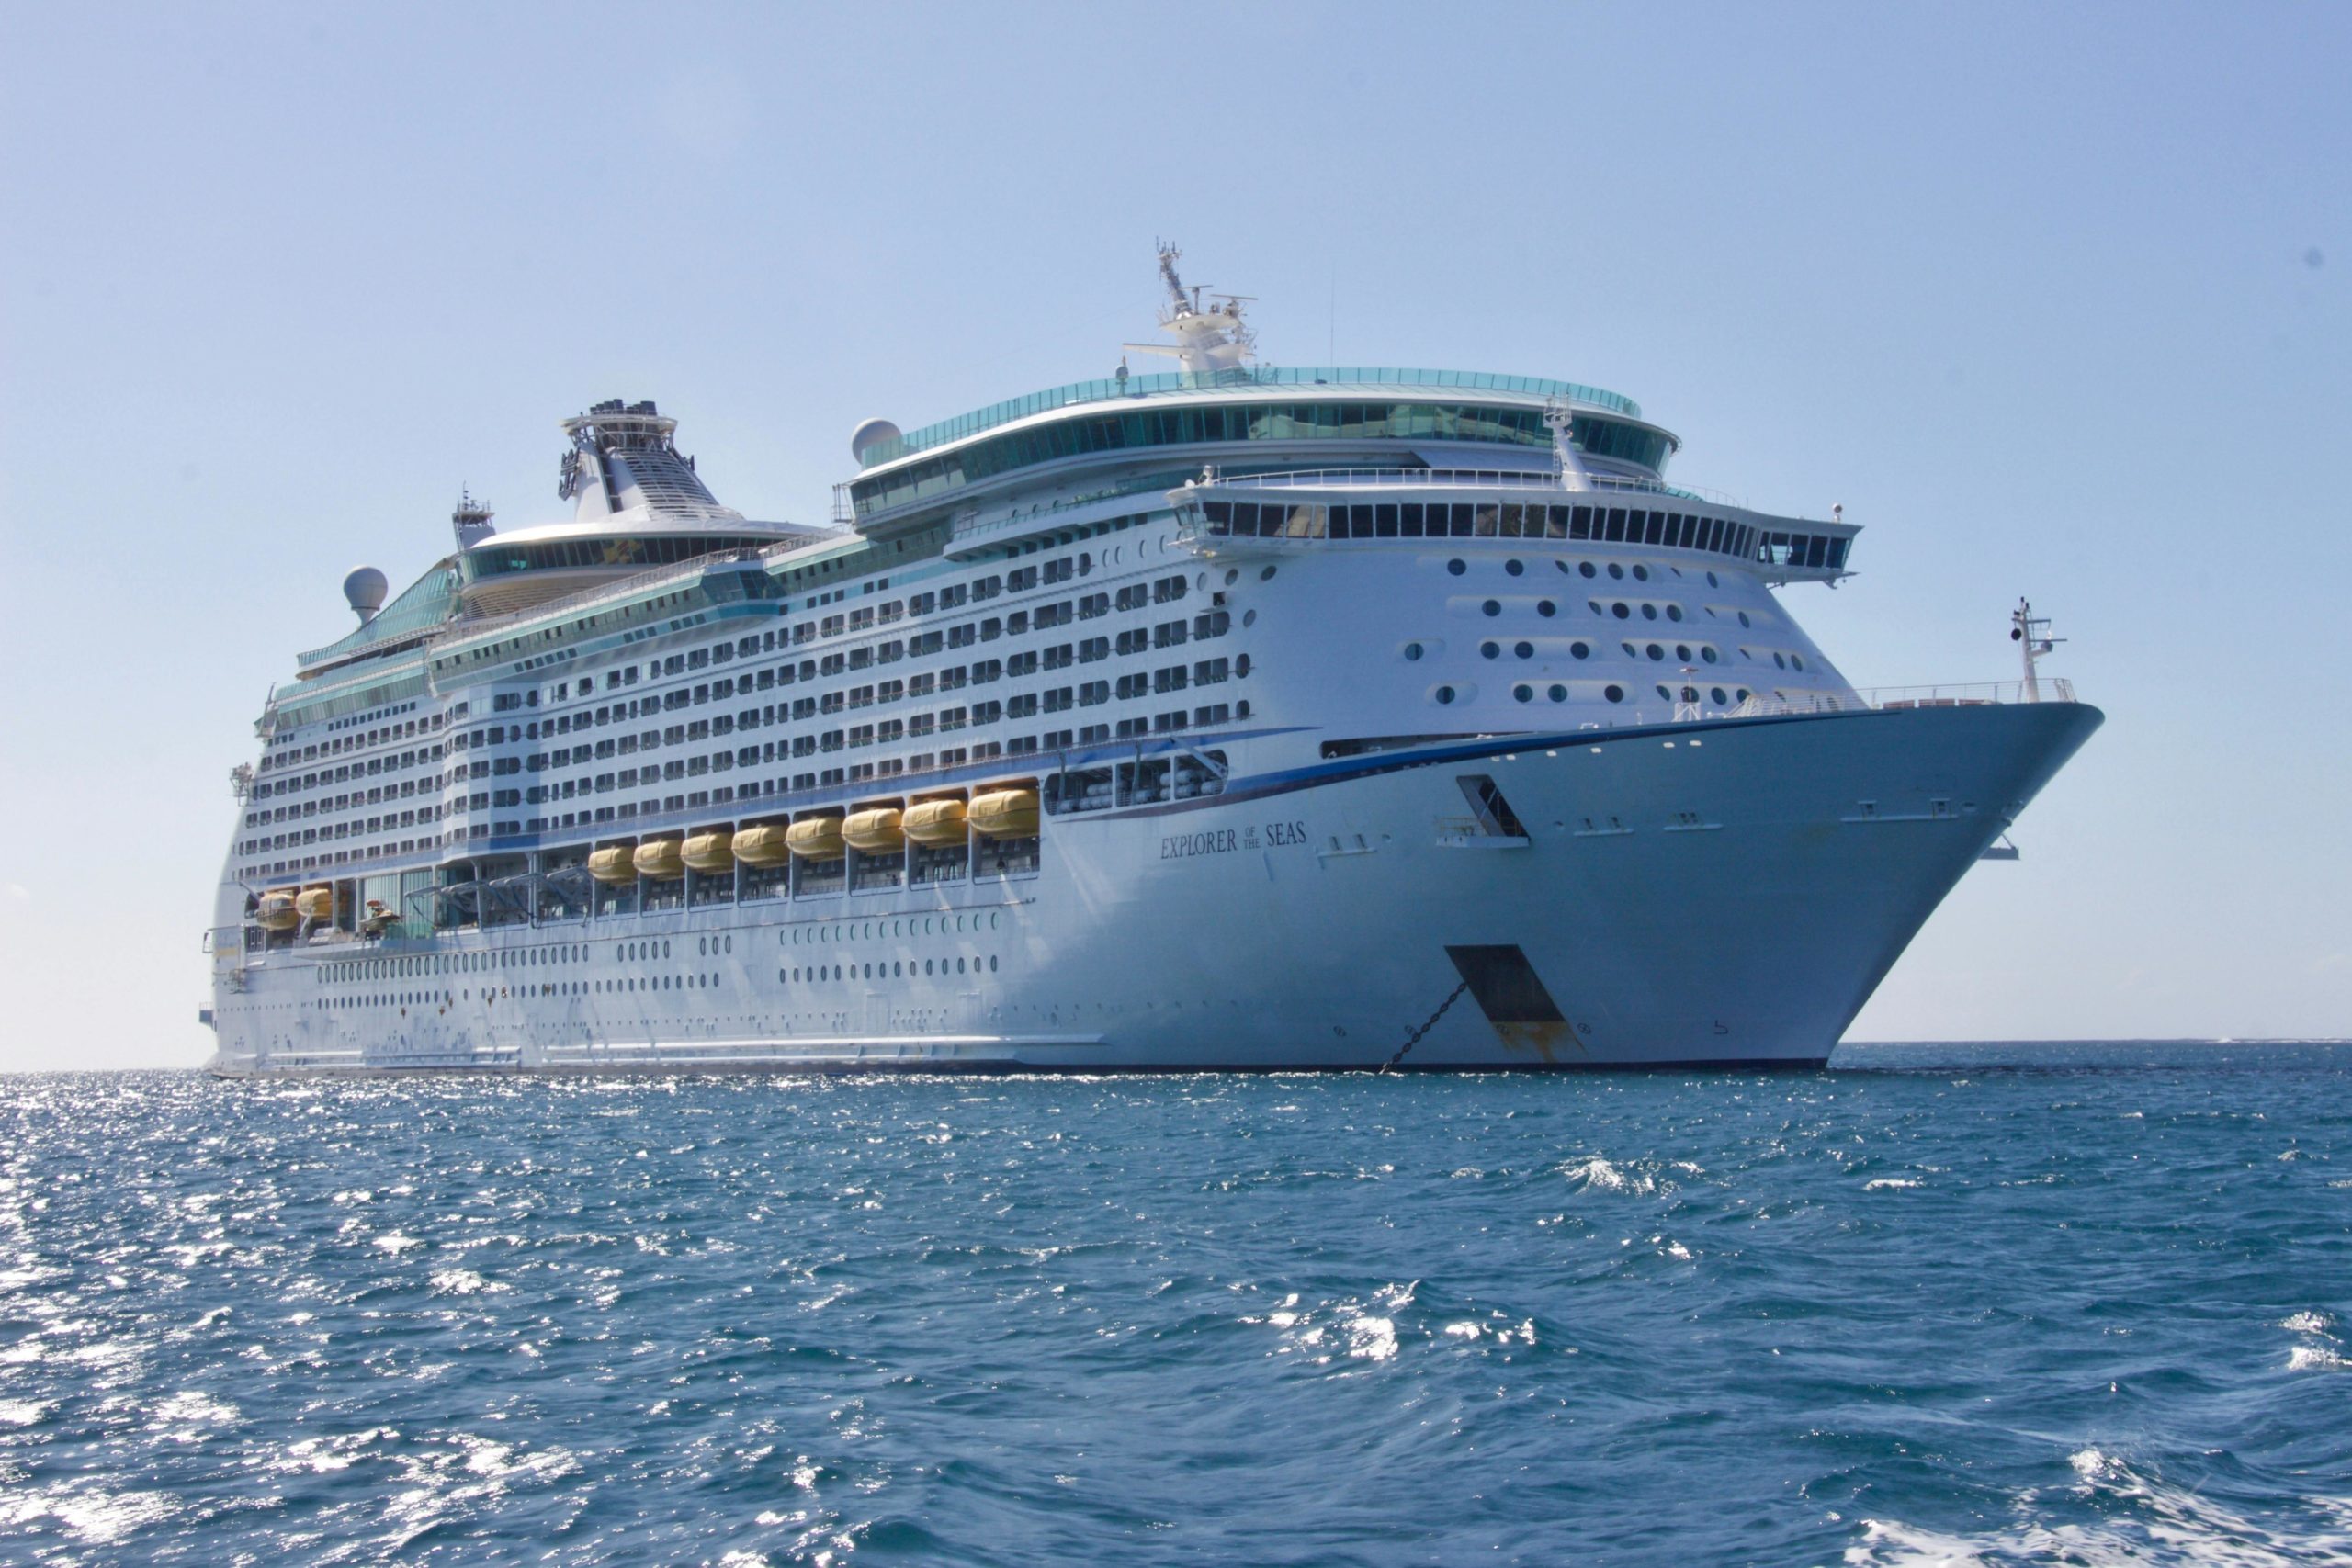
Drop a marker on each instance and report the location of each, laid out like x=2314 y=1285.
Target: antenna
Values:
x=2032 y=633
x=1209 y=341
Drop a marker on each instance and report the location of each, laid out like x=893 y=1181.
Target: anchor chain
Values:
x=1427 y=1024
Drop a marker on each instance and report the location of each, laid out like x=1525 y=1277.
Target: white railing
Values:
x=1895 y=699
x=1457 y=478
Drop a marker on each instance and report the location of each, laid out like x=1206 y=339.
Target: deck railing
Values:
x=1895 y=699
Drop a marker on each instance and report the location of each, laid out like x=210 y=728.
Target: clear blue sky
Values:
x=2057 y=300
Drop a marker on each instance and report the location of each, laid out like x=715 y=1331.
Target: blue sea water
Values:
x=1940 y=1305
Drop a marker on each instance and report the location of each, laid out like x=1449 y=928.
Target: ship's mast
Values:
x=1210 y=336
x=2032 y=633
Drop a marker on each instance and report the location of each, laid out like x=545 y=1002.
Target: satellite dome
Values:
x=363 y=589
x=873 y=433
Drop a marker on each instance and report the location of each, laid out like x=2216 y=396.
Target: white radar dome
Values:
x=873 y=433
x=364 y=591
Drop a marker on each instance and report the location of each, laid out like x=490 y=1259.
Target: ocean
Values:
x=2006 y=1303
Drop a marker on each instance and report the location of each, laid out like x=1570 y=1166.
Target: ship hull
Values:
x=1718 y=893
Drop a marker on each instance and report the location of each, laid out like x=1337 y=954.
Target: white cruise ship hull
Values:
x=1715 y=893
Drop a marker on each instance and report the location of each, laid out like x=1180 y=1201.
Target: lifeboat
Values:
x=315 y=903
x=816 y=837
x=1005 y=814
x=711 y=852
x=613 y=864
x=660 y=859
x=763 y=845
x=935 y=824
x=874 y=833
x=277 y=912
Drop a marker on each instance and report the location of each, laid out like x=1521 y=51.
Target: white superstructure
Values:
x=1238 y=717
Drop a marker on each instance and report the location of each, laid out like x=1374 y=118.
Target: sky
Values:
x=2055 y=300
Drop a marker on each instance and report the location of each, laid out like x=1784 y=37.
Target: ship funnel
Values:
x=363 y=589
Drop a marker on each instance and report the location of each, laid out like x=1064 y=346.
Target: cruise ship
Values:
x=1233 y=717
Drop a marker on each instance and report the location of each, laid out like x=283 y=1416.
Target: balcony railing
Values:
x=1897 y=699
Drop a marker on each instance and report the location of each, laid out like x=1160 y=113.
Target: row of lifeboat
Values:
x=878 y=830
x=284 y=908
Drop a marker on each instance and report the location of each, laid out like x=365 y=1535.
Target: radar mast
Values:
x=1209 y=330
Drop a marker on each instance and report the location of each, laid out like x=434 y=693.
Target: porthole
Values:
x=1779 y=662
x=1681 y=654
x=1457 y=567
x=1674 y=612
x=1241 y=665
x=991 y=963
x=1492 y=607
x=1232 y=575
x=1614 y=694
x=1656 y=653
x=1631 y=652
x=1743 y=693
x=1616 y=571
x=1515 y=567
x=1580 y=649
x=1586 y=568
x=1621 y=609
x=1412 y=651
x=1594 y=605
x=1712 y=582
x=1743 y=617
x=1523 y=693
x=1248 y=618
x=959 y=966
x=1707 y=653
x=1490 y=650
x=1650 y=612
x=1663 y=692
x=1523 y=649
x=1266 y=574
x=1545 y=608
x=1721 y=700
x=1797 y=659
x=1558 y=693
x=1444 y=695
x=1641 y=573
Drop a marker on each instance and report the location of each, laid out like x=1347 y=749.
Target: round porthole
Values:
x=1665 y=694
x=1681 y=654
x=1641 y=574
x=1614 y=694
x=1412 y=651
x=1718 y=695
x=1743 y=617
x=1524 y=693
x=1558 y=693
x=1779 y=662
x=1492 y=607
x=1266 y=574
x=1586 y=568
x=1616 y=571
x=1650 y=612
x=1515 y=567
x=1708 y=654
x=1248 y=618
x=1631 y=652
x=1674 y=612
x=1621 y=609
x=1444 y=695
x=1241 y=666
x=1524 y=649
x=1711 y=580
x=1656 y=653
x=1580 y=649
x=1232 y=576
x=1797 y=659
x=1457 y=567
x=1490 y=650
x=1545 y=608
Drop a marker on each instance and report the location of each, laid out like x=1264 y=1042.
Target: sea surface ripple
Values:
x=1953 y=1305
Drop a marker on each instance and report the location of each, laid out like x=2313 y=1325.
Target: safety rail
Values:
x=1483 y=479
x=1898 y=699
